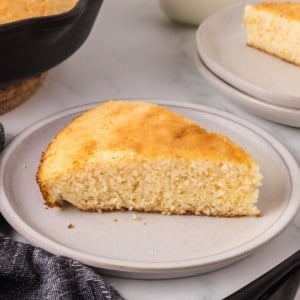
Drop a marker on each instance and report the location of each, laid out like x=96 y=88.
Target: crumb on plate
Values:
x=136 y=218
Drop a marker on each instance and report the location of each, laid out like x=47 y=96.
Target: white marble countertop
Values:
x=135 y=52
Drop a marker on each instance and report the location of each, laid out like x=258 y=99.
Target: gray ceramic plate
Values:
x=265 y=110
x=156 y=246
x=221 y=43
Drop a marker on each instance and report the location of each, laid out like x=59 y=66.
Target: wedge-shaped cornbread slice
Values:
x=140 y=156
x=274 y=27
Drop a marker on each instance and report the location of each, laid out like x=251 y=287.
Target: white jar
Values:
x=191 y=12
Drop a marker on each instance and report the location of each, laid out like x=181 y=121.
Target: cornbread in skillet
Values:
x=15 y=10
x=143 y=157
x=274 y=27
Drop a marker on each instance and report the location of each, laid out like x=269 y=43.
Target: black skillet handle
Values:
x=281 y=282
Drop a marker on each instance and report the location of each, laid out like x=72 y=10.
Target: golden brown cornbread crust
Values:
x=140 y=127
x=14 y=10
x=288 y=10
x=40 y=182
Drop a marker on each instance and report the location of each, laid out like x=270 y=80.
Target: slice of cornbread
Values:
x=274 y=27
x=144 y=157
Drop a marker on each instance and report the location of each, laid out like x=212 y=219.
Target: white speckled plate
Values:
x=156 y=246
x=221 y=43
x=265 y=110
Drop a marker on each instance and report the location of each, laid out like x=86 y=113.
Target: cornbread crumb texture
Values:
x=143 y=157
x=14 y=10
x=136 y=218
x=70 y=226
x=274 y=27
x=288 y=10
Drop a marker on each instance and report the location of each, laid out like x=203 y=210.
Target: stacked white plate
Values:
x=258 y=82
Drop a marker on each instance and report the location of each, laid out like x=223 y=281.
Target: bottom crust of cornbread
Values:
x=61 y=205
x=190 y=213
x=273 y=54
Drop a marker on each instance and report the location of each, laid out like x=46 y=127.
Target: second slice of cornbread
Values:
x=274 y=27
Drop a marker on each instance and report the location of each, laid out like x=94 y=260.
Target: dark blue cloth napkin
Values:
x=27 y=272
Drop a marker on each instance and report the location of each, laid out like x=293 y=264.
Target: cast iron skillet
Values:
x=31 y=46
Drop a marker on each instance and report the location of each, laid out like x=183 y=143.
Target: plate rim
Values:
x=199 y=61
x=240 y=98
x=48 y=244
x=231 y=78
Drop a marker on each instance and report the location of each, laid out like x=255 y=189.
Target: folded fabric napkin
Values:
x=27 y=272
